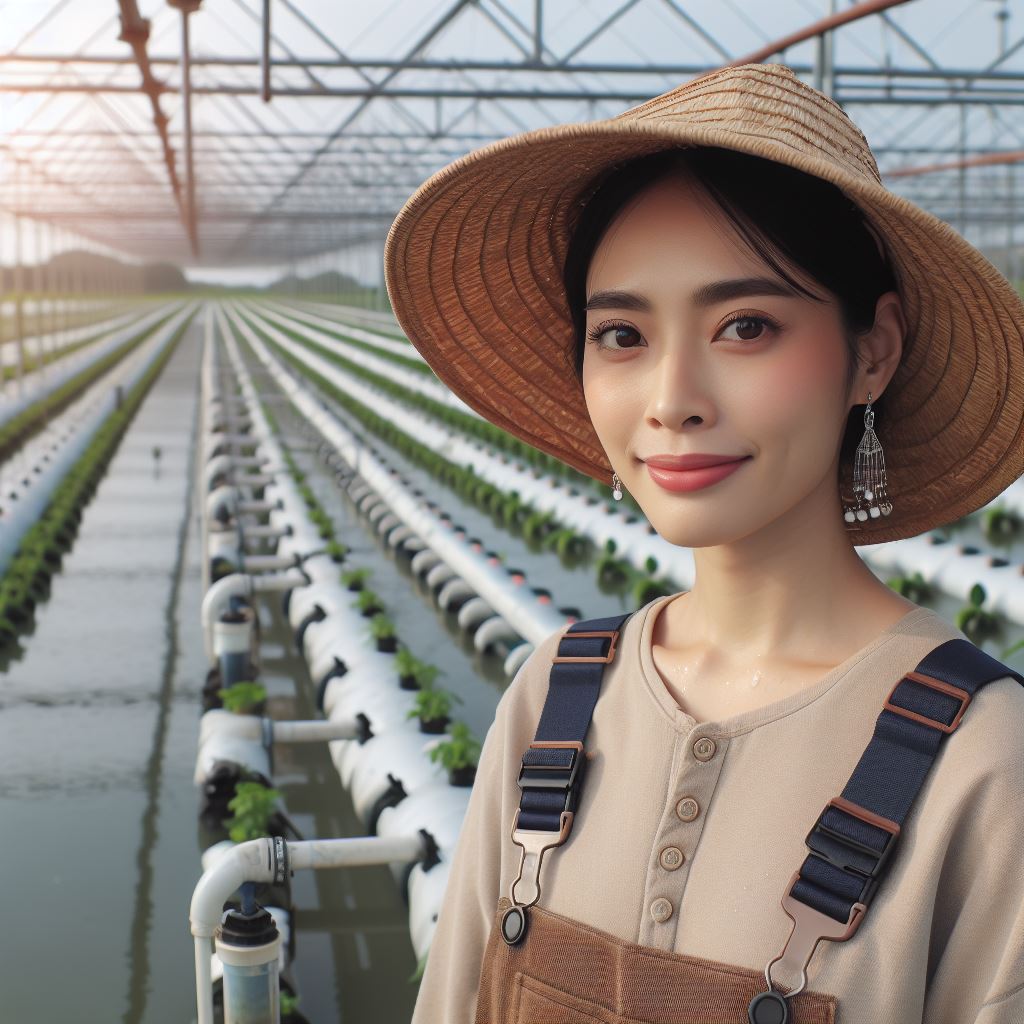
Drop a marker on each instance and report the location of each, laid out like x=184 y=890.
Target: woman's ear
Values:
x=881 y=348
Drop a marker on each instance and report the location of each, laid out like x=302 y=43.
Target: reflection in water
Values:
x=139 y=934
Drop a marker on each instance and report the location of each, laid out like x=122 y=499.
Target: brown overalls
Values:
x=565 y=972
x=562 y=971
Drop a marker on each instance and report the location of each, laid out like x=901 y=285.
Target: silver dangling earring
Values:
x=868 y=475
x=617 y=487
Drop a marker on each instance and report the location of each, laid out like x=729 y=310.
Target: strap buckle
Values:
x=934 y=684
x=848 y=854
x=611 y=634
x=554 y=776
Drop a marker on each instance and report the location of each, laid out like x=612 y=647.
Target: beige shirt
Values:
x=942 y=941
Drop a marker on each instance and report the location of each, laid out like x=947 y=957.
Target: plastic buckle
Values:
x=555 y=776
x=935 y=684
x=612 y=634
x=833 y=855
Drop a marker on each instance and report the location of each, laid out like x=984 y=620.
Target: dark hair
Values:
x=777 y=209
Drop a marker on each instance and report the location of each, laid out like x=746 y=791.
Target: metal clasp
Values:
x=535 y=843
x=810 y=926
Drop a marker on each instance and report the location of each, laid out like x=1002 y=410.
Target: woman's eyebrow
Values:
x=705 y=295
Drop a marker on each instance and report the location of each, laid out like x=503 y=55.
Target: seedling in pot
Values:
x=459 y=754
x=383 y=630
x=354 y=579
x=406 y=664
x=253 y=805
x=368 y=602
x=976 y=623
x=336 y=550
x=244 y=698
x=431 y=707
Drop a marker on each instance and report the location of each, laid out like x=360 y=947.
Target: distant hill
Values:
x=90 y=271
x=329 y=282
x=79 y=269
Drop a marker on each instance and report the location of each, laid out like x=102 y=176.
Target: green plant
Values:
x=612 y=570
x=461 y=751
x=645 y=590
x=567 y=542
x=336 y=550
x=421 y=966
x=425 y=674
x=405 y=661
x=368 y=599
x=253 y=806
x=355 y=576
x=976 y=623
x=432 y=703
x=289 y=1003
x=244 y=697
x=381 y=626
x=1000 y=523
x=914 y=588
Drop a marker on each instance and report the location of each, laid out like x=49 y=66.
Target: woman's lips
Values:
x=693 y=479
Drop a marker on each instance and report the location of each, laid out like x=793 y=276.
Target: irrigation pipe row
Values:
x=25 y=501
x=952 y=568
x=401 y=840
x=42 y=382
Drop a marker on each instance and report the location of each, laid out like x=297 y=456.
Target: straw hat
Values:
x=473 y=265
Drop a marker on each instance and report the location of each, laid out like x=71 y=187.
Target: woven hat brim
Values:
x=473 y=267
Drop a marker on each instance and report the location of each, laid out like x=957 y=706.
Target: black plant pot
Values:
x=463 y=776
x=434 y=725
x=368 y=613
x=387 y=644
x=408 y=682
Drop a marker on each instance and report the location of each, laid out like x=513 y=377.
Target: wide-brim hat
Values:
x=473 y=265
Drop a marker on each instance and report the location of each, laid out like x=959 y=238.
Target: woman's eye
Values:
x=748 y=328
x=619 y=334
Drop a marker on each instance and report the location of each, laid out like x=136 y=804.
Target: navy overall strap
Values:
x=551 y=775
x=853 y=839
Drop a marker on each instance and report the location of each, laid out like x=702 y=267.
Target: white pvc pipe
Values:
x=316 y=731
x=355 y=851
x=216 y=601
x=204 y=981
x=253 y=861
x=262 y=563
x=220 y=723
x=240 y=584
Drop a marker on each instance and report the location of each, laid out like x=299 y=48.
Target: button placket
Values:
x=677 y=836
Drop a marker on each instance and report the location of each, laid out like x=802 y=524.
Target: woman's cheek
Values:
x=599 y=395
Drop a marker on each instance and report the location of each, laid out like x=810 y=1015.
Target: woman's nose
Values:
x=678 y=390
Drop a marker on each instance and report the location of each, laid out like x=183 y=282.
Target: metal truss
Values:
x=157 y=136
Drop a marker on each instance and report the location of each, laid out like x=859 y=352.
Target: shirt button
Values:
x=661 y=909
x=704 y=749
x=671 y=857
x=687 y=809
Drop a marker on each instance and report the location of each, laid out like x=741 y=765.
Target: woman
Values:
x=718 y=275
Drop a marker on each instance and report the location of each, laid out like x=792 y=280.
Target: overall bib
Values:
x=540 y=967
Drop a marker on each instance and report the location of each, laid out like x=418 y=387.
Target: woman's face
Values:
x=689 y=359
